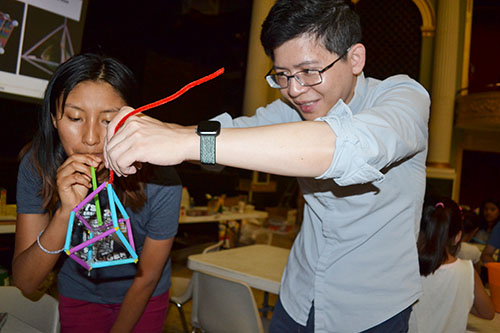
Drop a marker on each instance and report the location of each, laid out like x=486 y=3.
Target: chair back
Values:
x=181 y=289
x=213 y=248
x=42 y=314
x=223 y=305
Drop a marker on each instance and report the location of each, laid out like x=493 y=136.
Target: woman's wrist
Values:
x=63 y=209
x=51 y=239
x=43 y=248
x=62 y=214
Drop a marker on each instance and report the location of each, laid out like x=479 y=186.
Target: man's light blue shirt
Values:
x=355 y=255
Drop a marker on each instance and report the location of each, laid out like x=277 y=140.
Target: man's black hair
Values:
x=332 y=22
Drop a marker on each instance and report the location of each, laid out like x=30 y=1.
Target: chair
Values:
x=181 y=290
x=42 y=314
x=222 y=304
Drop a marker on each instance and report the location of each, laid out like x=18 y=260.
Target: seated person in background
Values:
x=489 y=213
x=492 y=245
x=470 y=228
x=452 y=287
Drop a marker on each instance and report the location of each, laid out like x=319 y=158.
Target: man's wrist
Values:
x=208 y=132
x=190 y=143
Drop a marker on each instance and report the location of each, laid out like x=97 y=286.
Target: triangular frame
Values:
x=65 y=44
x=129 y=245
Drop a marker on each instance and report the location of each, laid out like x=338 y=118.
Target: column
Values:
x=257 y=92
x=444 y=83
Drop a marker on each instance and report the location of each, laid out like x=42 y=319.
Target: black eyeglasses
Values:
x=306 y=78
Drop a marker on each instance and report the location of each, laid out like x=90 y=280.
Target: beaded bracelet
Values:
x=44 y=249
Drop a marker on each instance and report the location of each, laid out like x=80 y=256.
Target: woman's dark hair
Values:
x=332 y=22
x=470 y=221
x=441 y=223
x=48 y=152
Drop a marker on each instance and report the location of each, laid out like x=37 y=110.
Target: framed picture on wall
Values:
x=35 y=37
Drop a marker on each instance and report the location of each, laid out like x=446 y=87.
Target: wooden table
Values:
x=260 y=266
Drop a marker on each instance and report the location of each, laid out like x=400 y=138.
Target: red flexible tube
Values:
x=163 y=101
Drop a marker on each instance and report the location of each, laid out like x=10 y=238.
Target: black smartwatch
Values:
x=208 y=131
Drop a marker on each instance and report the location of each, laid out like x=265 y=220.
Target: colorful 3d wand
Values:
x=98 y=231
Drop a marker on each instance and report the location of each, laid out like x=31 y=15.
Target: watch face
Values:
x=209 y=127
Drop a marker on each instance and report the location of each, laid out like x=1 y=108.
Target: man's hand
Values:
x=145 y=139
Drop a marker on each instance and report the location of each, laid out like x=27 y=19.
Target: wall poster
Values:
x=35 y=37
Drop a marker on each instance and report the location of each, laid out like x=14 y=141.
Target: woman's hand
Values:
x=74 y=179
x=145 y=139
x=30 y=265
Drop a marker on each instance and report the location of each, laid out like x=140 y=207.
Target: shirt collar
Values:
x=357 y=99
x=359 y=93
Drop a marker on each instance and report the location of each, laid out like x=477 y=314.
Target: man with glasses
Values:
x=358 y=147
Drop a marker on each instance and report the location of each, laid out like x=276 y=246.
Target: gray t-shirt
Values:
x=158 y=219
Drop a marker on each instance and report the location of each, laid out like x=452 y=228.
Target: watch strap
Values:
x=207 y=149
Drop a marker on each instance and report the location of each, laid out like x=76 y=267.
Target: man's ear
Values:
x=357 y=57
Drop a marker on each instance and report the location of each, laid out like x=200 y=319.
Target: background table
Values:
x=222 y=217
x=476 y=324
x=7 y=224
x=260 y=266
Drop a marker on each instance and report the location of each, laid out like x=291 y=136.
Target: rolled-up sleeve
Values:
x=391 y=129
x=348 y=166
